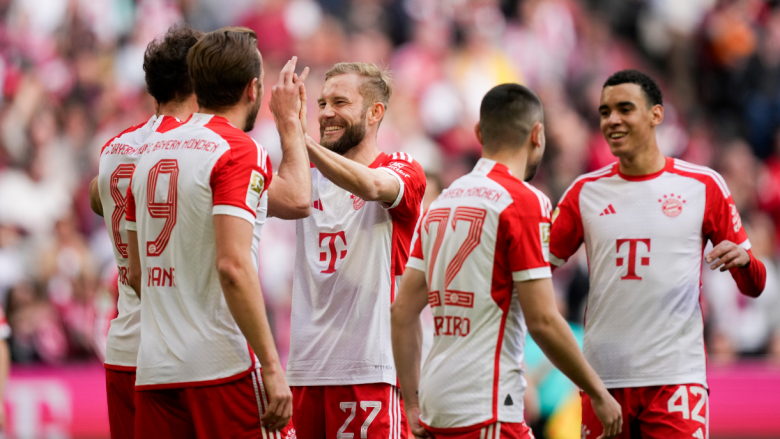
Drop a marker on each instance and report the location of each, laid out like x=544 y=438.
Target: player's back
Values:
x=117 y=163
x=205 y=167
x=485 y=232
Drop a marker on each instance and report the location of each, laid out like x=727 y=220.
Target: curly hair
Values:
x=165 y=64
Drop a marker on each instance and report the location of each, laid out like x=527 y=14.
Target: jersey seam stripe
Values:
x=257 y=399
x=705 y=171
x=539 y=197
x=595 y=175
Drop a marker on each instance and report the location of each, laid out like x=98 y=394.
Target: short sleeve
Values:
x=566 y=234
x=130 y=207
x=416 y=258
x=239 y=179
x=527 y=238
x=721 y=218
x=411 y=177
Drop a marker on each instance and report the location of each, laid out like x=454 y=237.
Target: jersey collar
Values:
x=667 y=167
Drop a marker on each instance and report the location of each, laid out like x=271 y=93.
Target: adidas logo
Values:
x=317 y=204
x=608 y=211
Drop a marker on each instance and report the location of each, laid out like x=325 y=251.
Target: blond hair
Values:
x=378 y=83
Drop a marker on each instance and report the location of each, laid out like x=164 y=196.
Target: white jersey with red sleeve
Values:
x=487 y=231
x=349 y=256
x=183 y=177
x=117 y=163
x=644 y=238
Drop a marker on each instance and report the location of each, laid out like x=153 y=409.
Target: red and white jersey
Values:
x=644 y=237
x=349 y=255
x=183 y=177
x=487 y=231
x=117 y=163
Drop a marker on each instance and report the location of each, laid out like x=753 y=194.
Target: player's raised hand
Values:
x=609 y=413
x=279 y=410
x=286 y=94
x=727 y=255
x=413 y=417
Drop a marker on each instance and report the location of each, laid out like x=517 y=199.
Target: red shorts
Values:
x=659 y=412
x=499 y=430
x=362 y=411
x=120 y=389
x=230 y=411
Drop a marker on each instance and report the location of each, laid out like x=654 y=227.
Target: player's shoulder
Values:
x=122 y=134
x=238 y=142
x=711 y=178
x=400 y=162
x=524 y=196
x=168 y=123
x=576 y=186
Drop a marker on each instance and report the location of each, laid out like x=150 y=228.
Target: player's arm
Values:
x=94 y=197
x=407 y=341
x=241 y=286
x=566 y=231
x=134 y=262
x=133 y=254
x=368 y=184
x=723 y=226
x=290 y=195
x=554 y=337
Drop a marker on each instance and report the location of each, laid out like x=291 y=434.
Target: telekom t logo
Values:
x=333 y=252
x=632 y=249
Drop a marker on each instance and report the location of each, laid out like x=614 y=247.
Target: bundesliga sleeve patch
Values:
x=254 y=190
x=544 y=236
x=555 y=214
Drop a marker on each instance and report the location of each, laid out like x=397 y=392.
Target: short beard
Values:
x=353 y=135
x=249 y=123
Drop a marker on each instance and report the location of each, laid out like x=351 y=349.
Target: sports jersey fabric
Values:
x=349 y=254
x=487 y=231
x=183 y=177
x=644 y=237
x=117 y=163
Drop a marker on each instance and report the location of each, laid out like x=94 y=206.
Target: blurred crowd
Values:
x=71 y=77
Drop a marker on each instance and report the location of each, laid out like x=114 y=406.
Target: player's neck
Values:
x=236 y=114
x=648 y=161
x=365 y=152
x=181 y=110
x=516 y=159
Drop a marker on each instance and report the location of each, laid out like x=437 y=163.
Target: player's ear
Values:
x=478 y=132
x=537 y=135
x=376 y=113
x=252 y=92
x=656 y=115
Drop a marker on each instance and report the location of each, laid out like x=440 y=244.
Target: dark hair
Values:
x=649 y=87
x=222 y=63
x=507 y=115
x=165 y=64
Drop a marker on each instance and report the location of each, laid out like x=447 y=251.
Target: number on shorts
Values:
x=166 y=209
x=375 y=407
x=679 y=403
x=124 y=171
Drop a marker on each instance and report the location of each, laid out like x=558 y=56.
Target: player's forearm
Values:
x=94 y=197
x=751 y=279
x=368 y=184
x=289 y=197
x=407 y=350
x=134 y=262
x=556 y=340
x=244 y=298
x=5 y=365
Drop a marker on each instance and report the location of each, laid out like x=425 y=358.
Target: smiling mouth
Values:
x=616 y=136
x=333 y=129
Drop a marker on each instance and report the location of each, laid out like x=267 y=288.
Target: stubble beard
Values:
x=352 y=136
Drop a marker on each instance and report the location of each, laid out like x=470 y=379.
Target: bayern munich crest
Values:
x=672 y=205
x=357 y=202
